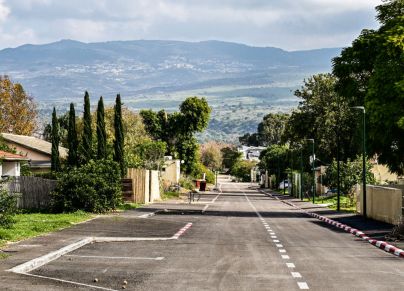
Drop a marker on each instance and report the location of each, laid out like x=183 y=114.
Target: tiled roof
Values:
x=33 y=143
x=9 y=156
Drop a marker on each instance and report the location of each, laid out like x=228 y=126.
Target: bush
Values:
x=242 y=170
x=199 y=170
x=94 y=187
x=187 y=183
x=8 y=207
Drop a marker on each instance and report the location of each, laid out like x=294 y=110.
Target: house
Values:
x=10 y=164
x=251 y=153
x=171 y=171
x=37 y=151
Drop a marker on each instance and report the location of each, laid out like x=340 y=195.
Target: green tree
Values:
x=151 y=154
x=73 y=143
x=242 y=170
x=63 y=121
x=119 y=142
x=249 y=139
x=324 y=116
x=230 y=156
x=87 y=140
x=351 y=174
x=272 y=128
x=371 y=74
x=101 y=132
x=275 y=160
x=55 y=159
x=195 y=112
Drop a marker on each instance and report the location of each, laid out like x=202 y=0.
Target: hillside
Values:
x=241 y=82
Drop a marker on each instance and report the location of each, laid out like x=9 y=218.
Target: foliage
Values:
x=8 y=208
x=17 y=110
x=87 y=138
x=33 y=224
x=350 y=173
x=242 y=170
x=371 y=73
x=94 y=187
x=323 y=116
x=170 y=195
x=187 y=183
x=199 y=170
x=63 y=121
x=177 y=129
x=230 y=156
x=275 y=160
x=271 y=129
x=73 y=143
x=55 y=158
x=119 y=141
x=249 y=139
x=151 y=154
x=101 y=132
x=211 y=155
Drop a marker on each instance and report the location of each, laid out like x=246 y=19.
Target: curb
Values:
x=377 y=243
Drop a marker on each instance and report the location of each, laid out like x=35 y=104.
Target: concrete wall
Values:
x=172 y=171
x=154 y=186
x=382 y=203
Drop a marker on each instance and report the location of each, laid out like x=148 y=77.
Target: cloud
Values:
x=288 y=24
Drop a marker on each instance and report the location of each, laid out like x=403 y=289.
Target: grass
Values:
x=170 y=195
x=346 y=203
x=33 y=224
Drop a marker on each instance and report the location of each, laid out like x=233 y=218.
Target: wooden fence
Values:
x=33 y=192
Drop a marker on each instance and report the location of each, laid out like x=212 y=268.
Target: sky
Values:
x=287 y=24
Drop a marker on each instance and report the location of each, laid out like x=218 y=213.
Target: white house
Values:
x=10 y=164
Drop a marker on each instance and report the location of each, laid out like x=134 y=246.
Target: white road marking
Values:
x=276 y=240
x=303 y=285
x=285 y=257
x=296 y=274
x=206 y=207
x=272 y=233
x=117 y=258
x=274 y=236
x=290 y=265
x=146 y=215
x=282 y=251
x=279 y=246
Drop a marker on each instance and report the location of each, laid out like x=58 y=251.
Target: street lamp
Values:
x=363 y=158
x=314 y=171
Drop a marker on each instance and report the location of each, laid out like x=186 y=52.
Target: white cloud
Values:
x=4 y=11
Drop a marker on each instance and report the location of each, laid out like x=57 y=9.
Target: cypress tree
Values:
x=87 y=144
x=119 y=136
x=55 y=160
x=101 y=133
x=72 y=138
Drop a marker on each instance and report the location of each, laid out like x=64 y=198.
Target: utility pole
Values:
x=363 y=158
x=314 y=171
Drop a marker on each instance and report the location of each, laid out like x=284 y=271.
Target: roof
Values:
x=6 y=156
x=33 y=143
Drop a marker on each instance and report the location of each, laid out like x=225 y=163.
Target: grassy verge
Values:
x=32 y=224
x=170 y=195
x=346 y=204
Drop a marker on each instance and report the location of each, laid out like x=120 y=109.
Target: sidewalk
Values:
x=374 y=229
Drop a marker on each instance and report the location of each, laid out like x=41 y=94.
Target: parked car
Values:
x=330 y=192
x=284 y=184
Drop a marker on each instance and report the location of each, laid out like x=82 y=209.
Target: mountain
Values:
x=160 y=74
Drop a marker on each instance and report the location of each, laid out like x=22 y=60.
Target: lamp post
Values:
x=314 y=170
x=301 y=173
x=363 y=157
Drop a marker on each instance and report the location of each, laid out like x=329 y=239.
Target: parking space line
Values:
x=117 y=258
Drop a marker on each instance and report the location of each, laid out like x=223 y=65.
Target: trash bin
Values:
x=202 y=186
x=197 y=184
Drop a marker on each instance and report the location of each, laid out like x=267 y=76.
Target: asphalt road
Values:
x=240 y=239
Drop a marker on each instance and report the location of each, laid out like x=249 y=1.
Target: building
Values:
x=171 y=171
x=37 y=151
x=10 y=164
x=251 y=153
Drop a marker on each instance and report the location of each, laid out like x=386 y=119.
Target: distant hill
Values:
x=159 y=74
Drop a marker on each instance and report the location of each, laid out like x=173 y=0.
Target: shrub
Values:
x=187 y=183
x=242 y=170
x=94 y=187
x=199 y=170
x=8 y=207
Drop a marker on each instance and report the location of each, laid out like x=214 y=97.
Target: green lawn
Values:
x=129 y=206
x=32 y=224
x=346 y=204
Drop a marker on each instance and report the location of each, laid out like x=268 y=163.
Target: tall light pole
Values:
x=363 y=157
x=314 y=170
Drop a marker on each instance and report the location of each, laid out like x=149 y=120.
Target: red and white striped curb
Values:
x=182 y=230
x=377 y=243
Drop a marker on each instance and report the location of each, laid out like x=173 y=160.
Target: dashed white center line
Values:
x=279 y=246
x=290 y=265
x=273 y=236
x=303 y=285
x=285 y=257
x=296 y=274
x=275 y=240
x=282 y=251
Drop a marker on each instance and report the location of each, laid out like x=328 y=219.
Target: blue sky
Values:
x=288 y=24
